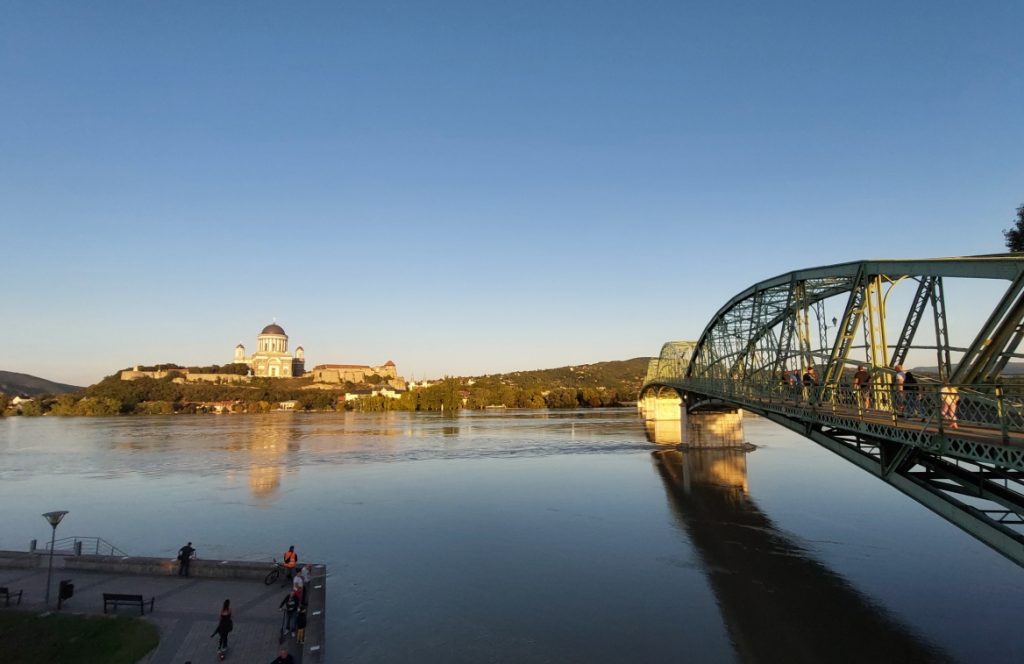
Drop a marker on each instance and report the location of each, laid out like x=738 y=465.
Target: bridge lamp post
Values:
x=53 y=518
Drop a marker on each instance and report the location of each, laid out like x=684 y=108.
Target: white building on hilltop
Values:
x=272 y=359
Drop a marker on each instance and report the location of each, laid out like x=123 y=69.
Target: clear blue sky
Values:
x=473 y=187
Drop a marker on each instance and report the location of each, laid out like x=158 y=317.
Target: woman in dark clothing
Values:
x=224 y=626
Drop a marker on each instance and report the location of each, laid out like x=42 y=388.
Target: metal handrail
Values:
x=96 y=545
x=995 y=406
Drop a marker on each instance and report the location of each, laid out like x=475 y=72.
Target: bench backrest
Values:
x=116 y=596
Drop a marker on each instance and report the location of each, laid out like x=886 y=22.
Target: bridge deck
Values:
x=986 y=430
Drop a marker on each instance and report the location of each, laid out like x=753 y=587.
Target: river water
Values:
x=533 y=536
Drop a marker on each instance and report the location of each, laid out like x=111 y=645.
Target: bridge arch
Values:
x=786 y=348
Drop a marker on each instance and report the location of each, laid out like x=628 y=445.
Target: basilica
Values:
x=272 y=359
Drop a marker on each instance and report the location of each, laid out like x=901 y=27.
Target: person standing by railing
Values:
x=912 y=396
x=862 y=387
x=185 y=556
x=290 y=605
x=950 y=397
x=898 y=383
x=810 y=382
x=291 y=559
x=793 y=378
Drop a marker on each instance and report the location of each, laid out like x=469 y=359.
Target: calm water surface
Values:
x=533 y=536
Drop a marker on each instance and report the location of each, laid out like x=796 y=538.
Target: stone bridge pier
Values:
x=668 y=422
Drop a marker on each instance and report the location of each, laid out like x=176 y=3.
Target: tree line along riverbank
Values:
x=596 y=385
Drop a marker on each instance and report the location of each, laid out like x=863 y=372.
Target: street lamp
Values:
x=53 y=518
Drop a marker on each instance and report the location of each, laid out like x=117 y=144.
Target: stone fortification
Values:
x=186 y=376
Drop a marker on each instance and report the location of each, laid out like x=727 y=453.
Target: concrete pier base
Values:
x=713 y=429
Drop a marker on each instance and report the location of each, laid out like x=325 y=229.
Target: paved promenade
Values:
x=186 y=609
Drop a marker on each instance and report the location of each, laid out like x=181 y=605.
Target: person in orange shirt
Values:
x=291 y=561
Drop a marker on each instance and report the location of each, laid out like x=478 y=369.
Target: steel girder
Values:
x=970 y=474
x=945 y=487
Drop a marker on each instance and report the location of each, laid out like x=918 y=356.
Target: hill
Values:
x=621 y=376
x=18 y=383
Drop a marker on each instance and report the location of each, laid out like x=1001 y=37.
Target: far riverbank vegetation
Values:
x=598 y=385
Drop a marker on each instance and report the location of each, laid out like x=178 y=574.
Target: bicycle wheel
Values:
x=272 y=576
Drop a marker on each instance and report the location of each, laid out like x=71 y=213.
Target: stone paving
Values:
x=186 y=610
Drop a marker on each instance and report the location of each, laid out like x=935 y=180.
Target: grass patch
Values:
x=60 y=638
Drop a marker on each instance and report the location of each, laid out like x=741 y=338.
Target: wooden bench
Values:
x=116 y=599
x=7 y=595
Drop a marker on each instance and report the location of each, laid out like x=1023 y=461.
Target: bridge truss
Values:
x=954 y=444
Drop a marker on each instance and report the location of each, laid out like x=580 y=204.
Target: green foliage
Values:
x=451 y=398
x=5 y=401
x=64 y=405
x=371 y=404
x=31 y=408
x=156 y=367
x=562 y=397
x=238 y=369
x=318 y=400
x=1015 y=236
x=98 y=407
x=154 y=408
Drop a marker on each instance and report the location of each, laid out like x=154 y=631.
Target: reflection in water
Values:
x=706 y=429
x=268 y=446
x=664 y=432
x=777 y=602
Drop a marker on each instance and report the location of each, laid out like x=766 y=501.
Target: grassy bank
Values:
x=60 y=638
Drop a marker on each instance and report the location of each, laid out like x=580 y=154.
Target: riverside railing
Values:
x=89 y=545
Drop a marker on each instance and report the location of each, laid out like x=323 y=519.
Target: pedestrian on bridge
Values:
x=810 y=381
x=898 y=383
x=950 y=400
x=912 y=396
x=862 y=386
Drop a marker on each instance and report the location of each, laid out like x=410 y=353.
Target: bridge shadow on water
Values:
x=777 y=602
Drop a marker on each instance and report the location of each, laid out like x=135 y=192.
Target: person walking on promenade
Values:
x=283 y=657
x=300 y=626
x=306 y=574
x=290 y=605
x=291 y=560
x=185 y=556
x=299 y=587
x=862 y=387
x=224 y=627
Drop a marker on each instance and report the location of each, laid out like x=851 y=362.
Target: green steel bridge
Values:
x=955 y=443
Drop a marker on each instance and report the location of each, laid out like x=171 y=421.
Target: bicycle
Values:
x=274 y=574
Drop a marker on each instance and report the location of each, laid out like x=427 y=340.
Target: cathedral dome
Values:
x=274 y=328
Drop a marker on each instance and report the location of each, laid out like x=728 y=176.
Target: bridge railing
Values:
x=995 y=407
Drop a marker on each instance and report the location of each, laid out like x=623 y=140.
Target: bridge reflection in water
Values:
x=777 y=602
